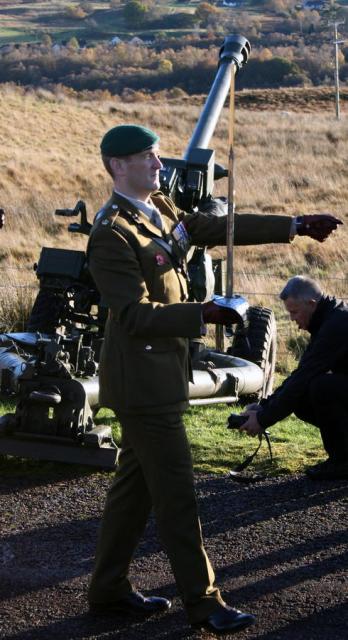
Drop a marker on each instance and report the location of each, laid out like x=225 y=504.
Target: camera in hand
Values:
x=235 y=421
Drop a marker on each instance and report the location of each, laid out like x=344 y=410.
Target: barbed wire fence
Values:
x=19 y=286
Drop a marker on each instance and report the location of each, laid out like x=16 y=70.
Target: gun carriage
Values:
x=52 y=368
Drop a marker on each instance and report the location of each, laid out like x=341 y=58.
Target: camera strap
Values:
x=236 y=473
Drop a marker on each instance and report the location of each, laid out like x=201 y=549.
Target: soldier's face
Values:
x=300 y=311
x=140 y=173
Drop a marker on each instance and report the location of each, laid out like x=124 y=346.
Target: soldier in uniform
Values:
x=137 y=252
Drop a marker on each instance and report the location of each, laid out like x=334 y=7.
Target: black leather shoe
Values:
x=328 y=470
x=226 y=620
x=133 y=604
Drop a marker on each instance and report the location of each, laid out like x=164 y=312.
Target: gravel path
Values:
x=279 y=548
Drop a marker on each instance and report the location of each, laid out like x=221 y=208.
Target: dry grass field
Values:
x=287 y=161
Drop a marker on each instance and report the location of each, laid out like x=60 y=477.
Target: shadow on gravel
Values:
x=57 y=560
x=83 y=627
x=310 y=549
x=279 y=549
x=329 y=624
x=257 y=503
x=31 y=474
x=287 y=579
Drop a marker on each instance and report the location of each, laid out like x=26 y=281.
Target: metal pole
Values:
x=231 y=192
x=220 y=333
x=336 y=42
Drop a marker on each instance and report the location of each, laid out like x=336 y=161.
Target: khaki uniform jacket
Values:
x=144 y=365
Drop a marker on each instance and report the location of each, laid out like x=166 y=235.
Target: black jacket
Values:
x=326 y=351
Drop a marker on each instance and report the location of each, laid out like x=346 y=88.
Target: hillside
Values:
x=151 y=45
x=97 y=20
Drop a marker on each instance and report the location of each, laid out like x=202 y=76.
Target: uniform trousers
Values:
x=154 y=472
x=326 y=407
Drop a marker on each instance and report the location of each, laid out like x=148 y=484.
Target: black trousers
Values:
x=326 y=407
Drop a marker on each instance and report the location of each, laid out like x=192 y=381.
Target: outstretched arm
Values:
x=317 y=226
x=208 y=227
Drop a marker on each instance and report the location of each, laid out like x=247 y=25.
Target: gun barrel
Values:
x=235 y=50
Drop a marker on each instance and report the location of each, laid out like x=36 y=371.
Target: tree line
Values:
x=144 y=67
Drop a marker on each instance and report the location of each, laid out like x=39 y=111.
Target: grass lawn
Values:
x=9 y=35
x=215 y=448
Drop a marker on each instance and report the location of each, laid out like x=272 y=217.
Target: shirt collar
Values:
x=145 y=207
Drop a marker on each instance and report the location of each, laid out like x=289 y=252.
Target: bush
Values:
x=75 y=12
x=165 y=66
x=268 y=73
x=206 y=13
x=135 y=13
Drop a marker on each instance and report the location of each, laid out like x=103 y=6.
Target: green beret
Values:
x=127 y=139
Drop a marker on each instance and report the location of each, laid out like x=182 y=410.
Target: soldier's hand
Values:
x=317 y=226
x=213 y=206
x=215 y=314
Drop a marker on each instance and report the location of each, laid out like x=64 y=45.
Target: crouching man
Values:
x=317 y=391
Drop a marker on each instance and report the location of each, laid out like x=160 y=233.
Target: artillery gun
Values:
x=52 y=368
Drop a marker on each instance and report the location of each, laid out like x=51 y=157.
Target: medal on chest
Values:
x=181 y=238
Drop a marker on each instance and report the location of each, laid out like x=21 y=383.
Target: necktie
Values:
x=156 y=219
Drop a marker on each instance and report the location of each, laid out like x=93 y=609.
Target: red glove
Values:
x=214 y=314
x=317 y=226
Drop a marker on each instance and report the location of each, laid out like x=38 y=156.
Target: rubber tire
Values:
x=262 y=336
